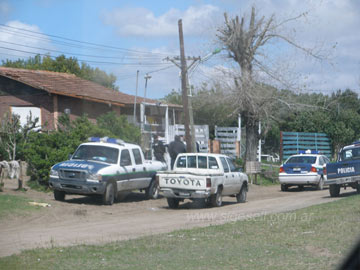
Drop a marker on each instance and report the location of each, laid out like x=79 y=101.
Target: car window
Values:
x=202 y=162
x=137 y=156
x=326 y=160
x=231 y=165
x=225 y=165
x=321 y=161
x=181 y=162
x=301 y=159
x=350 y=154
x=125 y=159
x=191 y=161
x=213 y=163
x=96 y=152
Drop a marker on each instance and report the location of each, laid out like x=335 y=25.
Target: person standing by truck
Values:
x=176 y=147
x=159 y=149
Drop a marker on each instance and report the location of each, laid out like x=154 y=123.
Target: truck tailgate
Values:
x=182 y=181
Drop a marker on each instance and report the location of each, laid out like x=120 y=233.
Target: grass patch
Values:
x=317 y=237
x=12 y=205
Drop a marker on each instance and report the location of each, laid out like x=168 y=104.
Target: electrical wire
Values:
x=77 y=41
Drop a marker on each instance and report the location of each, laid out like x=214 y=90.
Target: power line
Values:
x=79 y=54
x=81 y=42
x=89 y=61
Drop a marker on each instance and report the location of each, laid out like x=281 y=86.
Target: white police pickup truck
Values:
x=105 y=166
x=202 y=177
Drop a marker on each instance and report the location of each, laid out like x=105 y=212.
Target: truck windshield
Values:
x=96 y=152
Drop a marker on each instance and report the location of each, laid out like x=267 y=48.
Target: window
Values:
x=225 y=165
x=231 y=165
x=202 y=162
x=191 y=161
x=302 y=160
x=25 y=112
x=96 y=152
x=137 y=156
x=181 y=162
x=125 y=159
x=213 y=163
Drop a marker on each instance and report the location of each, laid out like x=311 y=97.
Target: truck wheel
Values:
x=216 y=199
x=152 y=192
x=334 y=190
x=284 y=187
x=358 y=188
x=241 y=196
x=320 y=185
x=301 y=187
x=109 y=195
x=59 y=195
x=173 y=203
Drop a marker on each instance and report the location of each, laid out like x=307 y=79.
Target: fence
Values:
x=292 y=142
x=228 y=136
x=201 y=135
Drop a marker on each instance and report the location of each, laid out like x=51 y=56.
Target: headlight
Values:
x=54 y=173
x=94 y=176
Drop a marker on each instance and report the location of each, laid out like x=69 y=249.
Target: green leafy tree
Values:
x=66 y=65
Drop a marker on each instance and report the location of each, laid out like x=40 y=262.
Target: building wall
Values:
x=13 y=93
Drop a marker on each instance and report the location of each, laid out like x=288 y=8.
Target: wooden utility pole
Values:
x=184 y=89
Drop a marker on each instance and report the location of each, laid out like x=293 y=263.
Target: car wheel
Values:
x=241 y=196
x=216 y=199
x=152 y=192
x=334 y=190
x=173 y=203
x=301 y=187
x=109 y=195
x=59 y=195
x=284 y=187
x=320 y=185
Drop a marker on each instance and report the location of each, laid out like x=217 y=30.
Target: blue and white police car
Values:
x=105 y=166
x=305 y=168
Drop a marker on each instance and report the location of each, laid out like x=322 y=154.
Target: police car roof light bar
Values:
x=309 y=151
x=106 y=140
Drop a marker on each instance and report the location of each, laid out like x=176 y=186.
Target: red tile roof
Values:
x=69 y=85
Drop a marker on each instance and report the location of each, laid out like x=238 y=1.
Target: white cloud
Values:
x=19 y=43
x=143 y=22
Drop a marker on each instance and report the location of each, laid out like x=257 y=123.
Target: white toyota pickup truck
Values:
x=202 y=177
x=106 y=167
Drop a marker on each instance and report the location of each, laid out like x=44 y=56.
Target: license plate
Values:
x=297 y=169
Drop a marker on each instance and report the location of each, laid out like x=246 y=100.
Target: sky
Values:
x=123 y=37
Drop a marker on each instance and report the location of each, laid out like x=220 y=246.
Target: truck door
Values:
x=227 y=190
x=123 y=182
x=234 y=178
x=140 y=177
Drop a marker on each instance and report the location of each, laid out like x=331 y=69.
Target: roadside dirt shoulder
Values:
x=83 y=220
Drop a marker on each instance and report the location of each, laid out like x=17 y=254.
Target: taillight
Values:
x=313 y=169
x=208 y=182
x=281 y=170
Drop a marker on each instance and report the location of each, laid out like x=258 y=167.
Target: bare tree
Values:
x=255 y=100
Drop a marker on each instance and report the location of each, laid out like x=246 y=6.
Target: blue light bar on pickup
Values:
x=106 y=140
x=309 y=151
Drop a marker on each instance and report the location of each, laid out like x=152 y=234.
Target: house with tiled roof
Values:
x=49 y=94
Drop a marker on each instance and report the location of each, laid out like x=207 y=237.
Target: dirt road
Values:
x=83 y=220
